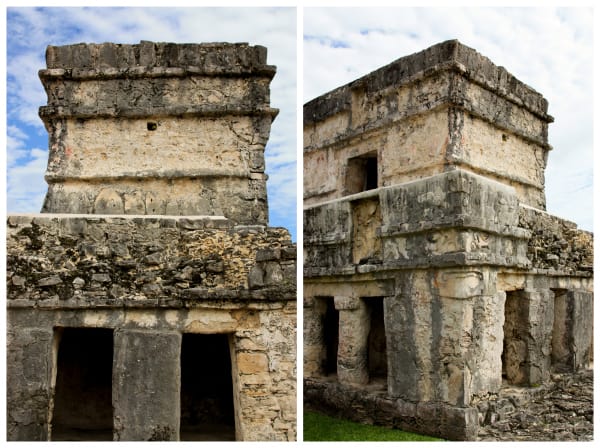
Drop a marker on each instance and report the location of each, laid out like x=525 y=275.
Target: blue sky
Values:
x=549 y=49
x=30 y=30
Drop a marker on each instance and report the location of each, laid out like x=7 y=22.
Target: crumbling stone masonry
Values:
x=432 y=273
x=151 y=301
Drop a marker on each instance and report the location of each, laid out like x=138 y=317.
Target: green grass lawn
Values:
x=319 y=427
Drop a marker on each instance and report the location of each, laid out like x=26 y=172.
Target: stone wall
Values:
x=150 y=279
x=556 y=243
x=158 y=128
x=444 y=106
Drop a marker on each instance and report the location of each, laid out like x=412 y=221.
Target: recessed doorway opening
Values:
x=207 y=410
x=376 y=348
x=83 y=392
x=330 y=325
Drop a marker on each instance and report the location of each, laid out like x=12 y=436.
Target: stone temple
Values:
x=150 y=300
x=433 y=276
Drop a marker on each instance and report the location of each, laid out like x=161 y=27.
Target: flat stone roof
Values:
x=450 y=55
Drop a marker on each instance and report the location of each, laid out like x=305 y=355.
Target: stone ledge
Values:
x=55 y=177
x=212 y=57
x=266 y=298
x=48 y=112
x=161 y=221
x=423 y=262
x=267 y=71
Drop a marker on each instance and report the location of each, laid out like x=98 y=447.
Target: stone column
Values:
x=29 y=367
x=485 y=348
x=255 y=405
x=352 y=366
x=528 y=325
x=583 y=328
x=573 y=330
x=146 y=368
x=313 y=336
x=437 y=337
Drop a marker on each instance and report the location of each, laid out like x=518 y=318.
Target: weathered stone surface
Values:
x=556 y=243
x=153 y=129
x=205 y=106
x=56 y=265
x=154 y=414
x=162 y=277
x=424 y=186
x=452 y=103
x=560 y=410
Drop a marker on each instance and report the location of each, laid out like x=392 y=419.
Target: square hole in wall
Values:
x=361 y=173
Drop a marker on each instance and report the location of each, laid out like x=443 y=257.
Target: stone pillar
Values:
x=444 y=342
x=403 y=328
x=454 y=326
x=255 y=405
x=485 y=351
x=583 y=328
x=528 y=325
x=352 y=366
x=573 y=330
x=313 y=336
x=29 y=368
x=146 y=385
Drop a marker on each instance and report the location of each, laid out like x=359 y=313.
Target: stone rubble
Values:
x=561 y=410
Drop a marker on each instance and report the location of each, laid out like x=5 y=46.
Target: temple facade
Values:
x=151 y=300
x=433 y=276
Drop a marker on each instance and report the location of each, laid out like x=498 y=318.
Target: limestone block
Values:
x=528 y=336
x=154 y=414
x=354 y=326
x=461 y=284
x=347 y=303
x=30 y=368
x=251 y=363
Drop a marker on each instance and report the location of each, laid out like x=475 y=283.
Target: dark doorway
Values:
x=207 y=411
x=331 y=325
x=83 y=392
x=377 y=354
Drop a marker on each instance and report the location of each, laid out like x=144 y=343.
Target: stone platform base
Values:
x=376 y=408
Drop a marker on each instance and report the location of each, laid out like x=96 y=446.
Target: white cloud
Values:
x=25 y=187
x=548 y=49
